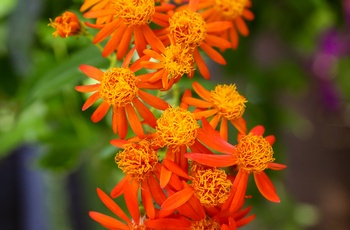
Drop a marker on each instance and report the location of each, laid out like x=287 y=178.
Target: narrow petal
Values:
x=124 y=43
x=156 y=191
x=140 y=41
x=128 y=58
x=108 y=221
x=131 y=201
x=165 y=176
x=218 y=26
x=212 y=159
x=242 y=26
x=153 y=54
x=213 y=54
x=92 y=72
x=134 y=121
x=91 y=100
x=245 y=221
x=87 y=88
x=114 y=42
x=247 y=14
x=152 y=39
x=265 y=186
x=164 y=7
x=151 y=65
x=233 y=37
x=223 y=129
x=119 y=143
x=169 y=223
x=258 y=130
x=276 y=166
x=122 y=122
x=115 y=120
x=239 y=192
x=240 y=125
x=147 y=200
x=161 y=19
x=107 y=30
x=271 y=139
x=111 y=205
x=193 y=4
x=119 y=188
x=175 y=168
x=202 y=92
x=178 y=199
x=145 y=113
x=100 y=112
x=203 y=69
x=153 y=100
x=215 y=121
x=217 y=41
x=99 y=13
x=197 y=102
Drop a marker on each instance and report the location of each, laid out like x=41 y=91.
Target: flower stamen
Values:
x=230 y=9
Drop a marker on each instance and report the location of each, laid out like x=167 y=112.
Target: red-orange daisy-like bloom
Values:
x=170 y=65
x=189 y=29
x=130 y=19
x=252 y=155
x=66 y=25
x=223 y=103
x=230 y=10
x=120 y=89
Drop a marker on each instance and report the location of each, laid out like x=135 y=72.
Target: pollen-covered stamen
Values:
x=228 y=101
x=118 y=87
x=137 y=159
x=254 y=153
x=205 y=224
x=177 y=61
x=177 y=127
x=188 y=28
x=134 y=12
x=230 y=9
x=211 y=185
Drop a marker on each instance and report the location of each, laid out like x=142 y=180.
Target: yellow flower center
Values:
x=137 y=159
x=205 y=224
x=211 y=185
x=188 y=28
x=177 y=61
x=254 y=153
x=176 y=127
x=118 y=87
x=230 y=9
x=228 y=101
x=135 y=12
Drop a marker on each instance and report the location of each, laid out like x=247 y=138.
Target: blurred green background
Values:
x=293 y=68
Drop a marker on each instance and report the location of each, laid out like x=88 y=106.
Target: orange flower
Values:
x=130 y=19
x=223 y=103
x=171 y=64
x=66 y=25
x=189 y=29
x=252 y=155
x=98 y=5
x=230 y=10
x=120 y=89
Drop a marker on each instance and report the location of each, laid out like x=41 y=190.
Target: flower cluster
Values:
x=200 y=180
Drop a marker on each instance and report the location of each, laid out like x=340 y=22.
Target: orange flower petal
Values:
x=265 y=186
x=223 y=129
x=177 y=199
x=91 y=100
x=202 y=92
x=153 y=100
x=216 y=41
x=151 y=65
x=134 y=121
x=240 y=189
x=115 y=120
x=213 y=54
x=276 y=166
x=114 y=42
x=147 y=200
x=240 y=125
x=245 y=221
x=119 y=188
x=242 y=26
x=156 y=191
x=140 y=41
x=119 y=143
x=175 y=168
x=161 y=19
x=152 y=40
x=122 y=122
x=128 y=58
x=87 y=4
x=271 y=139
x=92 y=72
x=233 y=37
x=212 y=159
x=215 y=121
x=100 y=112
x=124 y=43
x=258 y=130
x=203 y=69
x=169 y=223
x=111 y=205
x=87 y=88
x=247 y=14
x=107 y=30
x=164 y=7
x=108 y=221
x=218 y=26
x=145 y=113
x=193 y=4
x=99 y=13
x=197 y=102
x=130 y=196
x=165 y=176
